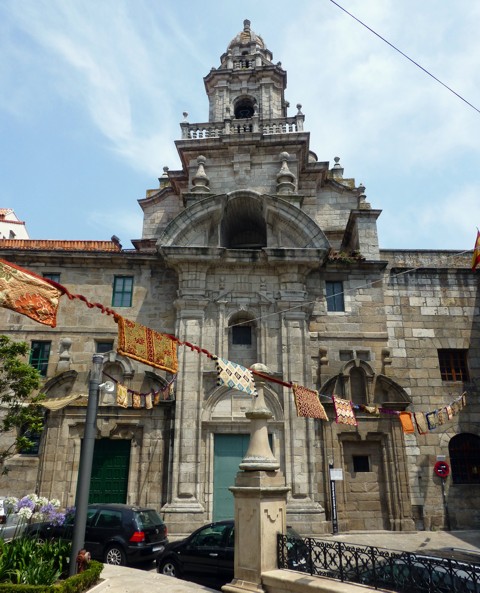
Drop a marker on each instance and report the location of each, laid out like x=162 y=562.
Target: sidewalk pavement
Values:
x=122 y=579
x=464 y=545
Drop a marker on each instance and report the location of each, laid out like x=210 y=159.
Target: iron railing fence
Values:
x=402 y=572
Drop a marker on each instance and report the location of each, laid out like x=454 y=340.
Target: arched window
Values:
x=358 y=388
x=244 y=108
x=464 y=450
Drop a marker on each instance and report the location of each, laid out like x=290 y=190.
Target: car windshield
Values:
x=147 y=518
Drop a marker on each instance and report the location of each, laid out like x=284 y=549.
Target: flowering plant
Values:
x=35 y=508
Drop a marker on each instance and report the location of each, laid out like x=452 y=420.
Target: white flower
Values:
x=25 y=513
x=42 y=501
x=55 y=503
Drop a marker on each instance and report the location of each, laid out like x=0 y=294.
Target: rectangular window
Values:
x=361 y=463
x=242 y=334
x=335 y=300
x=453 y=364
x=39 y=355
x=55 y=276
x=122 y=291
x=102 y=346
x=34 y=438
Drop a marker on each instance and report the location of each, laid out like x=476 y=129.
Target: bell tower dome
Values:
x=247 y=83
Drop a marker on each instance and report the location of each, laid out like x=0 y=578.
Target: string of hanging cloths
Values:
x=38 y=298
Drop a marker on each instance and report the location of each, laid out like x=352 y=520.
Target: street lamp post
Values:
x=86 y=460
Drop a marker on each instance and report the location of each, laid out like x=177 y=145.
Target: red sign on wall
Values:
x=442 y=469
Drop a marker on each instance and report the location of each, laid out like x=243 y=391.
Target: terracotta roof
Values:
x=10 y=221
x=54 y=245
x=4 y=211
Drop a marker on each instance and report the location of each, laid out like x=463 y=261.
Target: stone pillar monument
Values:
x=260 y=502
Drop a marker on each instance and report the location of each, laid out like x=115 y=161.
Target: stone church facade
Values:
x=256 y=251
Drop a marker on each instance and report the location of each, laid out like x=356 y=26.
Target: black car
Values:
x=207 y=555
x=115 y=533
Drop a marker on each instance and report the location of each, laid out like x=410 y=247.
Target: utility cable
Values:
x=405 y=56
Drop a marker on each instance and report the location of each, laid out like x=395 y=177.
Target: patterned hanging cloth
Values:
x=406 y=422
x=148 y=401
x=432 y=420
x=136 y=400
x=150 y=347
x=344 y=411
x=307 y=403
x=441 y=416
x=122 y=396
x=235 y=376
x=26 y=293
x=421 y=422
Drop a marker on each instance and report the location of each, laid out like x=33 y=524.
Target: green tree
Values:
x=20 y=409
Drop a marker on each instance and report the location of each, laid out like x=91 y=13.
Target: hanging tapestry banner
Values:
x=28 y=294
x=150 y=347
x=307 y=403
x=235 y=376
x=344 y=411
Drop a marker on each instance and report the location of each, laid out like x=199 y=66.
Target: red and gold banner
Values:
x=26 y=293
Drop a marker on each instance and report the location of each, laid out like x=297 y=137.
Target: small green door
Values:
x=111 y=461
x=229 y=450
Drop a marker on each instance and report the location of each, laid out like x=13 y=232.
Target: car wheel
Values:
x=114 y=554
x=169 y=568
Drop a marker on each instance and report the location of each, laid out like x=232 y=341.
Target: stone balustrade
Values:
x=200 y=131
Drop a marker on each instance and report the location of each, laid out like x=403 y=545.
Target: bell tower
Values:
x=247 y=83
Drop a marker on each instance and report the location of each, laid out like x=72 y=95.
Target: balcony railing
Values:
x=403 y=572
x=252 y=125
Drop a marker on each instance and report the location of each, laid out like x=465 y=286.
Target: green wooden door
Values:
x=229 y=450
x=111 y=461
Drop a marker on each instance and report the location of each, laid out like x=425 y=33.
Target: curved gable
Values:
x=243 y=219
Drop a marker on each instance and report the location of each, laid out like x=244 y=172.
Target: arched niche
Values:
x=61 y=385
x=230 y=405
x=209 y=222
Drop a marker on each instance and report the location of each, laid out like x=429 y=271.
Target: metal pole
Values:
x=445 y=504
x=86 y=460
x=333 y=495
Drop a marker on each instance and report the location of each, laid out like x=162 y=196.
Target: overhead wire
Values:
x=343 y=292
x=405 y=56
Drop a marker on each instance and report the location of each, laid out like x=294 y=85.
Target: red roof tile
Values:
x=54 y=245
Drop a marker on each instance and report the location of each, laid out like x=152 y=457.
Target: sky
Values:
x=93 y=91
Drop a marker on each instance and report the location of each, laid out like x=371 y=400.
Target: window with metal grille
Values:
x=453 y=364
x=39 y=355
x=464 y=450
x=122 y=291
x=335 y=300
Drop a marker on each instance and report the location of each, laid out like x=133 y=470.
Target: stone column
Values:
x=260 y=502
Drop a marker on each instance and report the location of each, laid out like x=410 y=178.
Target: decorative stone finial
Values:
x=362 y=203
x=246 y=25
x=337 y=169
x=185 y=115
x=299 y=107
x=285 y=178
x=164 y=180
x=200 y=182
